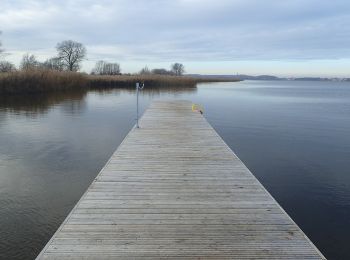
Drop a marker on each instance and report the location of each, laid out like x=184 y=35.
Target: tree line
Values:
x=176 y=69
x=70 y=54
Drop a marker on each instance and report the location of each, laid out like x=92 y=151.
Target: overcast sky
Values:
x=280 y=37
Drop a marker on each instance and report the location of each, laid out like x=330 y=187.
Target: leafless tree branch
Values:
x=71 y=53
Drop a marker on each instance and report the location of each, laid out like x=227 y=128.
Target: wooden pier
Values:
x=175 y=190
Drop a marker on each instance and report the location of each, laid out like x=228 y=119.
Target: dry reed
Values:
x=37 y=81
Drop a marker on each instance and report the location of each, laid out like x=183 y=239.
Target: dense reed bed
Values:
x=40 y=81
x=37 y=81
x=151 y=81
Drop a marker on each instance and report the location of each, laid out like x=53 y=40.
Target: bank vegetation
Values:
x=41 y=80
x=61 y=73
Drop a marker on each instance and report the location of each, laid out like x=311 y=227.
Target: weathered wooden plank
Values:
x=172 y=190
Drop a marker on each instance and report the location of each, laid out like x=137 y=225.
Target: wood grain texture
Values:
x=175 y=190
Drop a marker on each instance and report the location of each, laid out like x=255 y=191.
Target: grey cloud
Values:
x=192 y=30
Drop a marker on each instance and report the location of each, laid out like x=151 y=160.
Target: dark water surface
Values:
x=294 y=136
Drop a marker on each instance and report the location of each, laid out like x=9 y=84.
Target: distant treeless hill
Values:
x=266 y=77
x=241 y=77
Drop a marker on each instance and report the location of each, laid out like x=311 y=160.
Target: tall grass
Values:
x=151 y=81
x=36 y=81
x=40 y=81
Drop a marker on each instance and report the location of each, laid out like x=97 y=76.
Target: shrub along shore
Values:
x=39 y=81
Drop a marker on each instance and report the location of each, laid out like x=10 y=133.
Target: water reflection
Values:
x=149 y=92
x=37 y=104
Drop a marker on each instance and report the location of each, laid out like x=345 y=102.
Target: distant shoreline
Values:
x=269 y=77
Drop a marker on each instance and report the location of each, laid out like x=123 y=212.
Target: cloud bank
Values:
x=158 y=31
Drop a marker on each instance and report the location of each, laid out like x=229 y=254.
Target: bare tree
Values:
x=113 y=69
x=161 y=72
x=71 y=53
x=53 y=64
x=98 y=67
x=6 y=66
x=105 y=68
x=145 y=71
x=29 y=62
x=178 y=69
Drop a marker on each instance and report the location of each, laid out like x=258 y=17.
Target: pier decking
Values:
x=175 y=190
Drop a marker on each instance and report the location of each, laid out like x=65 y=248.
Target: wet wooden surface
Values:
x=175 y=190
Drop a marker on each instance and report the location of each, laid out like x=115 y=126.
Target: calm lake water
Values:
x=294 y=136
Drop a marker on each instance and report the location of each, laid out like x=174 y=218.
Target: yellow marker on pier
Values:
x=197 y=108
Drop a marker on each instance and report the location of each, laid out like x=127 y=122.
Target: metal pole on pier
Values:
x=139 y=86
